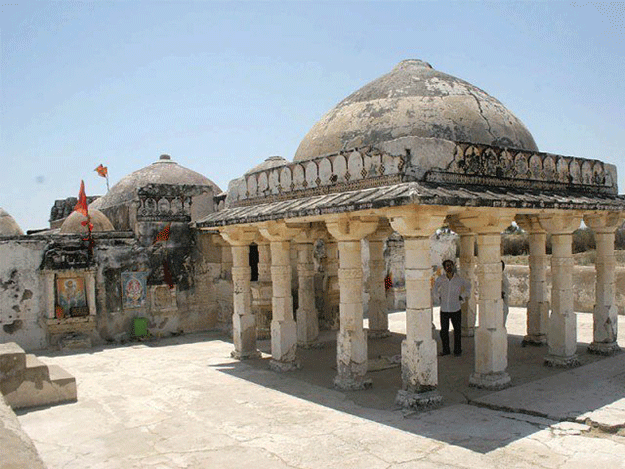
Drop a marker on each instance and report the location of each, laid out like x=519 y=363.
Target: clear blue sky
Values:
x=222 y=86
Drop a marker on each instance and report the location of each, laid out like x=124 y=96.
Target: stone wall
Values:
x=583 y=280
x=21 y=292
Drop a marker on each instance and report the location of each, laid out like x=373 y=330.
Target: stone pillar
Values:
x=562 y=336
x=418 y=351
x=378 y=306
x=605 y=313
x=538 y=304
x=283 y=327
x=331 y=300
x=243 y=321
x=307 y=315
x=90 y=289
x=351 y=354
x=261 y=293
x=467 y=270
x=491 y=337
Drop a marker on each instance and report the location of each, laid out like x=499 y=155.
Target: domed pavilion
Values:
x=131 y=197
x=409 y=152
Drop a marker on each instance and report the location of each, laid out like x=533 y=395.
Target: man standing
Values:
x=451 y=291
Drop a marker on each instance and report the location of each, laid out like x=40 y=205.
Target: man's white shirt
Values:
x=451 y=292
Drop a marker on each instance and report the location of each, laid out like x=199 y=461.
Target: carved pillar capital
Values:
x=485 y=221
x=277 y=231
x=603 y=222
x=348 y=228
x=238 y=235
x=417 y=222
x=529 y=223
x=560 y=223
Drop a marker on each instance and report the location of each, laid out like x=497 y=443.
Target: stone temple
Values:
x=295 y=246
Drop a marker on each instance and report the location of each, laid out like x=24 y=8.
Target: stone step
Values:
x=12 y=359
x=35 y=369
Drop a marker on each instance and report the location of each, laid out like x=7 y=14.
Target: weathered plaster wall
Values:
x=21 y=292
x=583 y=280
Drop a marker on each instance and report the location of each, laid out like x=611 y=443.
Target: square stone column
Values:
x=562 y=338
x=419 y=366
x=329 y=318
x=538 y=304
x=261 y=293
x=351 y=342
x=378 y=308
x=491 y=337
x=467 y=271
x=307 y=315
x=243 y=320
x=605 y=313
x=283 y=327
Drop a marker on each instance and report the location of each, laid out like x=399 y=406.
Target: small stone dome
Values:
x=73 y=223
x=269 y=163
x=415 y=100
x=8 y=225
x=163 y=171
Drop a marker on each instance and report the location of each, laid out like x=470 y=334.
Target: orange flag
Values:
x=102 y=171
x=81 y=206
x=163 y=235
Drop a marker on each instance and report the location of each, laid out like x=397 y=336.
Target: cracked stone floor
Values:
x=182 y=402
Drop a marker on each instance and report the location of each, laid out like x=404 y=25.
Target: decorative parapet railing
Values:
x=428 y=160
x=165 y=202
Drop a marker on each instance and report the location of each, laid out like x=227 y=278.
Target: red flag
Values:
x=163 y=235
x=81 y=206
x=102 y=171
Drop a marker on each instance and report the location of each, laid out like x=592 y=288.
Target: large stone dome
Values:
x=8 y=225
x=163 y=171
x=415 y=100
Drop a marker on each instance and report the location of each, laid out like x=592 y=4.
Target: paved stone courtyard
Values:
x=183 y=402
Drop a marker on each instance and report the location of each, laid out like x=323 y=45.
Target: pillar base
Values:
x=276 y=365
x=351 y=384
x=378 y=334
x=562 y=362
x=494 y=381
x=418 y=400
x=310 y=345
x=468 y=332
x=534 y=340
x=603 y=348
x=245 y=355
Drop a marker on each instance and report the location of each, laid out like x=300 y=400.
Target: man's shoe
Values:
x=457 y=354
x=442 y=354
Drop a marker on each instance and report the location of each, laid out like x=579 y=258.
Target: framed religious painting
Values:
x=71 y=299
x=134 y=289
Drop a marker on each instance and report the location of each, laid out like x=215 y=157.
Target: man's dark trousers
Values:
x=455 y=321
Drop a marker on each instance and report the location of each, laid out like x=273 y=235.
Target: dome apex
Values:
x=415 y=100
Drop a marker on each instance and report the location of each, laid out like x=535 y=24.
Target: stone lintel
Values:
x=418 y=400
x=493 y=381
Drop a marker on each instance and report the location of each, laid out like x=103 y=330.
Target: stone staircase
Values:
x=25 y=381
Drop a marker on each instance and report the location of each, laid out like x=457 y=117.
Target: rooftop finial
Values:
x=165 y=156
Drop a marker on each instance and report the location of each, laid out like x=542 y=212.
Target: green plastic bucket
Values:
x=141 y=327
